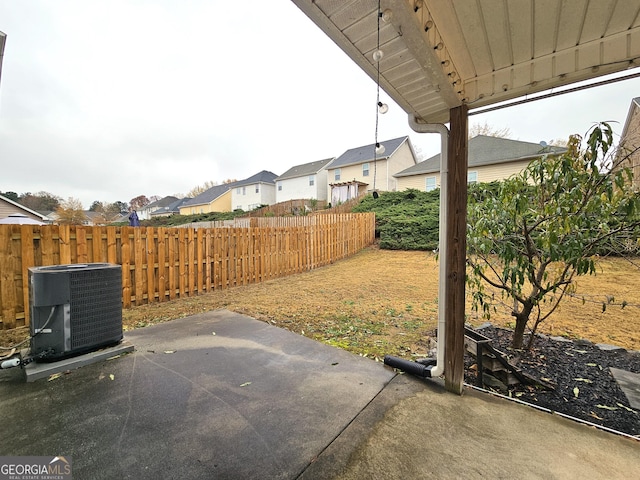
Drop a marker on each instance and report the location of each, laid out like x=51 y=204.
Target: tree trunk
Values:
x=522 y=318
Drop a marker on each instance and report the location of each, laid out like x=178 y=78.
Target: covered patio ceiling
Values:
x=439 y=54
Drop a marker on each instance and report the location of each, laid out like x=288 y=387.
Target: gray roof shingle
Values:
x=261 y=177
x=363 y=154
x=305 y=169
x=486 y=150
x=217 y=191
x=163 y=202
x=173 y=207
x=210 y=195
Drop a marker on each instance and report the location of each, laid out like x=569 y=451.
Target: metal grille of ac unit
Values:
x=95 y=303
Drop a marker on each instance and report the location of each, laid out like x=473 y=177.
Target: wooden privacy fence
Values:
x=160 y=264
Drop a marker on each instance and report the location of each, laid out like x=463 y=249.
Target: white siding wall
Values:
x=248 y=198
x=268 y=193
x=299 y=188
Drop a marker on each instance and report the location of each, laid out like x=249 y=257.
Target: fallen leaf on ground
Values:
x=626 y=408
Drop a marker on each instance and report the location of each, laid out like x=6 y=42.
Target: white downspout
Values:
x=438 y=368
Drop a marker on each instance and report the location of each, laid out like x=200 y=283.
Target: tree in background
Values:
x=11 y=196
x=40 y=202
x=198 y=189
x=71 y=212
x=121 y=206
x=108 y=212
x=543 y=228
x=486 y=129
x=138 y=202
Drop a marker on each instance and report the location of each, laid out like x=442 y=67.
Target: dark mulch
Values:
x=569 y=365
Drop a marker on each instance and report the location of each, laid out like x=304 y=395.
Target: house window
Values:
x=336 y=175
x=365 y=169
x=431 y=184
x=238 y=190
x=244 y=190
x=258 y=188
x=312 y=180
x=472 y=177
x=279 y=186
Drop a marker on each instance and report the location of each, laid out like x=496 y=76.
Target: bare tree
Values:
x=138 y=202
x=486 y=129
x=198 y=189
x=70 y=212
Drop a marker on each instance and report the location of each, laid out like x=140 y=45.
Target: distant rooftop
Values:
x=487 y=150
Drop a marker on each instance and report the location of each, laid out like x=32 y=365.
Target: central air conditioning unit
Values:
x=74 y=309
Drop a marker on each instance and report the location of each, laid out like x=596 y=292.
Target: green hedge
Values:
x=406 y=220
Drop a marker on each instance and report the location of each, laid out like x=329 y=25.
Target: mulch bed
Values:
x=584 y=386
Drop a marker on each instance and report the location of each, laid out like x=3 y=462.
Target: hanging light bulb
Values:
x=383 y=108
x=379 y=149
x=377 y=55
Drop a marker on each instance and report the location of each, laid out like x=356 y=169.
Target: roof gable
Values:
x=173 y=207
x=22 y=207
x=305 y=169
x=631 y=116
x=366 y=153
x=163 y=202
x=210 y=195
x=261 y=177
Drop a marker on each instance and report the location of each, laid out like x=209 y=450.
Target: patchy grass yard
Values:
x=385 y=302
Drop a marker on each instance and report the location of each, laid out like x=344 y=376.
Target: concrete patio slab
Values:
x=217 y=395
x=222 y=396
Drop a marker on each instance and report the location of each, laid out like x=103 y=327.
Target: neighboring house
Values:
x=93 y=218
x=260 y=189
x=89 y=219
x=145 y=212
x=304 y=181
x=489 y=159
x=9 y=207
x=360 y=170
x=630 y=141
x=215 y=199
x=171 y=209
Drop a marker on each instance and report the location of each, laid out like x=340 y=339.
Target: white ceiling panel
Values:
x=439 y=54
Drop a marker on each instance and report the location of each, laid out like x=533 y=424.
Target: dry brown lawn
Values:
x=385 y=302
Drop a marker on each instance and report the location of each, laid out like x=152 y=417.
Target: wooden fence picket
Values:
x=160 y=264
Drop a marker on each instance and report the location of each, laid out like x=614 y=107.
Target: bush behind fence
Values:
x=161 y=264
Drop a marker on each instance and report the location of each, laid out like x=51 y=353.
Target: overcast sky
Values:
x=108 y=100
